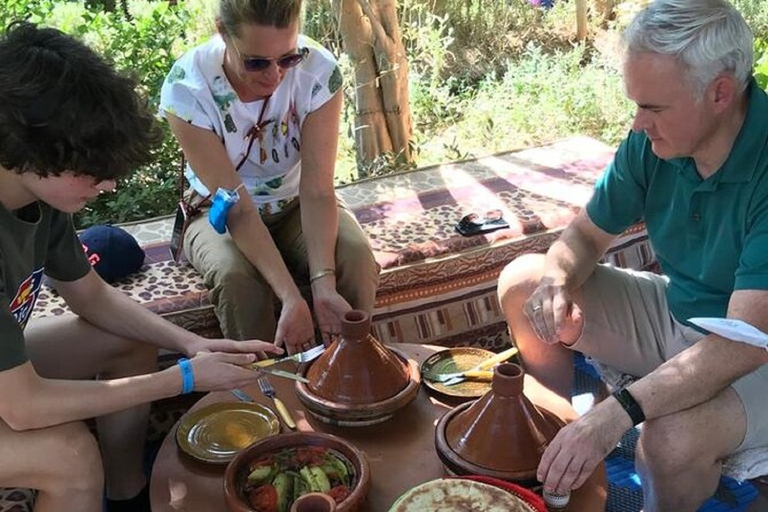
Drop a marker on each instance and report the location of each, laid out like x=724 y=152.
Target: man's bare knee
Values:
x=519 y=278
x=668 y=446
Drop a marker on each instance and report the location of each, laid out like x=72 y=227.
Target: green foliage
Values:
x=756 y=14
x=761 y=62
x=485 y=76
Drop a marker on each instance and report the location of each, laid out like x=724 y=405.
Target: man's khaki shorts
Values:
x=629 y=331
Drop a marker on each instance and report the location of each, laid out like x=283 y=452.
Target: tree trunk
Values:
x=581 y=20
x=371 y=35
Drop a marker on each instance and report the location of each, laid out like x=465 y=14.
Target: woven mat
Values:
x=625 y=493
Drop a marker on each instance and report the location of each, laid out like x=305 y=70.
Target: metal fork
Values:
x=301 y=357
x=268 y=391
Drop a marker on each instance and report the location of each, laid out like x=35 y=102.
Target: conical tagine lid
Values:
x=503 y=431
x=357 y=368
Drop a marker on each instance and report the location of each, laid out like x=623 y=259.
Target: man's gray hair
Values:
x=708 y=37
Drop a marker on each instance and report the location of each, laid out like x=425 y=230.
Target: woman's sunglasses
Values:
x=262 y=63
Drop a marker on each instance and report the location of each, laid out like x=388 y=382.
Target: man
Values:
x=695 y=168
x=69 y=127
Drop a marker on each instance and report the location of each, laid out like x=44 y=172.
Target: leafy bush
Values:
x=761 y=62
x=485 y=76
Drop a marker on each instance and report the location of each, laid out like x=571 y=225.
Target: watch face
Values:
x=179 y=227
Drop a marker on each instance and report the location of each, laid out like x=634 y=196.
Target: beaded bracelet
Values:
x=322 y=273
x=187 y=376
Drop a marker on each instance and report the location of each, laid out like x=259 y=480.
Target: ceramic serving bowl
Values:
x=236 y=485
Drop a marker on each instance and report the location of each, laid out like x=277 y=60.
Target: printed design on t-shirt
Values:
x=268 y=187
x=284 y=136
x=177 y=73
x=224 y=97
x=24 y=301
x=316 y=89
x=335 y=81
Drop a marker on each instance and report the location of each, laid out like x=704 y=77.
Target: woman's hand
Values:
x=295 y=331
x=330 y=307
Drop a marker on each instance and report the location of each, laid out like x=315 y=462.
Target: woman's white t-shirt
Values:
x=197 y=91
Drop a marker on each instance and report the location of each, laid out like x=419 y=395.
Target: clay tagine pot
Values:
x=501 y=435
x=358 y=381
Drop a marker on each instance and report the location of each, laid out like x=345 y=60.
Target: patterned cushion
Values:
x=436 y=285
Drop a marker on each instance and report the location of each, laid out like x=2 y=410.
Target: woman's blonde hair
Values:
x=271 y=13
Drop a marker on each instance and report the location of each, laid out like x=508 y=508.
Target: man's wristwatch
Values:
x=630 y=405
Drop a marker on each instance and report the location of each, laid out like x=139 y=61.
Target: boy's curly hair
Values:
x=64 y=108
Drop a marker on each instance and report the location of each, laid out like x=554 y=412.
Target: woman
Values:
x=256 y=109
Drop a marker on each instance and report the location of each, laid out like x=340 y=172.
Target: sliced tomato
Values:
x=339 y=493
x=263 y=498
x=310 y=455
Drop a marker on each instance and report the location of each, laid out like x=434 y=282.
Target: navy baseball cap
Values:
x=112 y=251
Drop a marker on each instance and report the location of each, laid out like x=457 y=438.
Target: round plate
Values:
x=455 y=360
x=214 y=434
x=465 y=494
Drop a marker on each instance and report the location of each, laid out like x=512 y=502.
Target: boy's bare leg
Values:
x=62 y=462
x=68 y=347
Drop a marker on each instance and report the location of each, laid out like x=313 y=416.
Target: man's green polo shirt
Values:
x=710 y=236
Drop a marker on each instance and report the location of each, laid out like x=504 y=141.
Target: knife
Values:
x=284 y=374
x=242 y=395
x=484 y=365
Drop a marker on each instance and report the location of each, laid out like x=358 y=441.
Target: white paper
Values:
x=733 y=329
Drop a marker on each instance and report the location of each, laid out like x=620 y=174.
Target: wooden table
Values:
x=401 y=451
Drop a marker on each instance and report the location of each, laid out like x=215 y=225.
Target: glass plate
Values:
x=455 y=360
x=215 y=433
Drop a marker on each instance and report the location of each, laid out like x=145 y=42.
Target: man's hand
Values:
x=579 y=447
x=329 y=310
x=294 y=328
x=552 y=313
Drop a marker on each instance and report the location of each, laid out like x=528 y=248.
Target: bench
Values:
x=436 y=286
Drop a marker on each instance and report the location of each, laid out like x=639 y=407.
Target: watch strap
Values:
x=630 y=405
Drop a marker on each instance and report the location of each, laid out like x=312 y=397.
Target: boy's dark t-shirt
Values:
x=34 y=239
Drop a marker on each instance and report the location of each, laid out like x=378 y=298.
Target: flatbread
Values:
x=457 y=495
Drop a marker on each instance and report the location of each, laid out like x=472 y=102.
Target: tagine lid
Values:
x=357 y=369
x=502 y=432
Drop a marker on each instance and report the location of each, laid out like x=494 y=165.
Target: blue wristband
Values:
x=187 y=377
